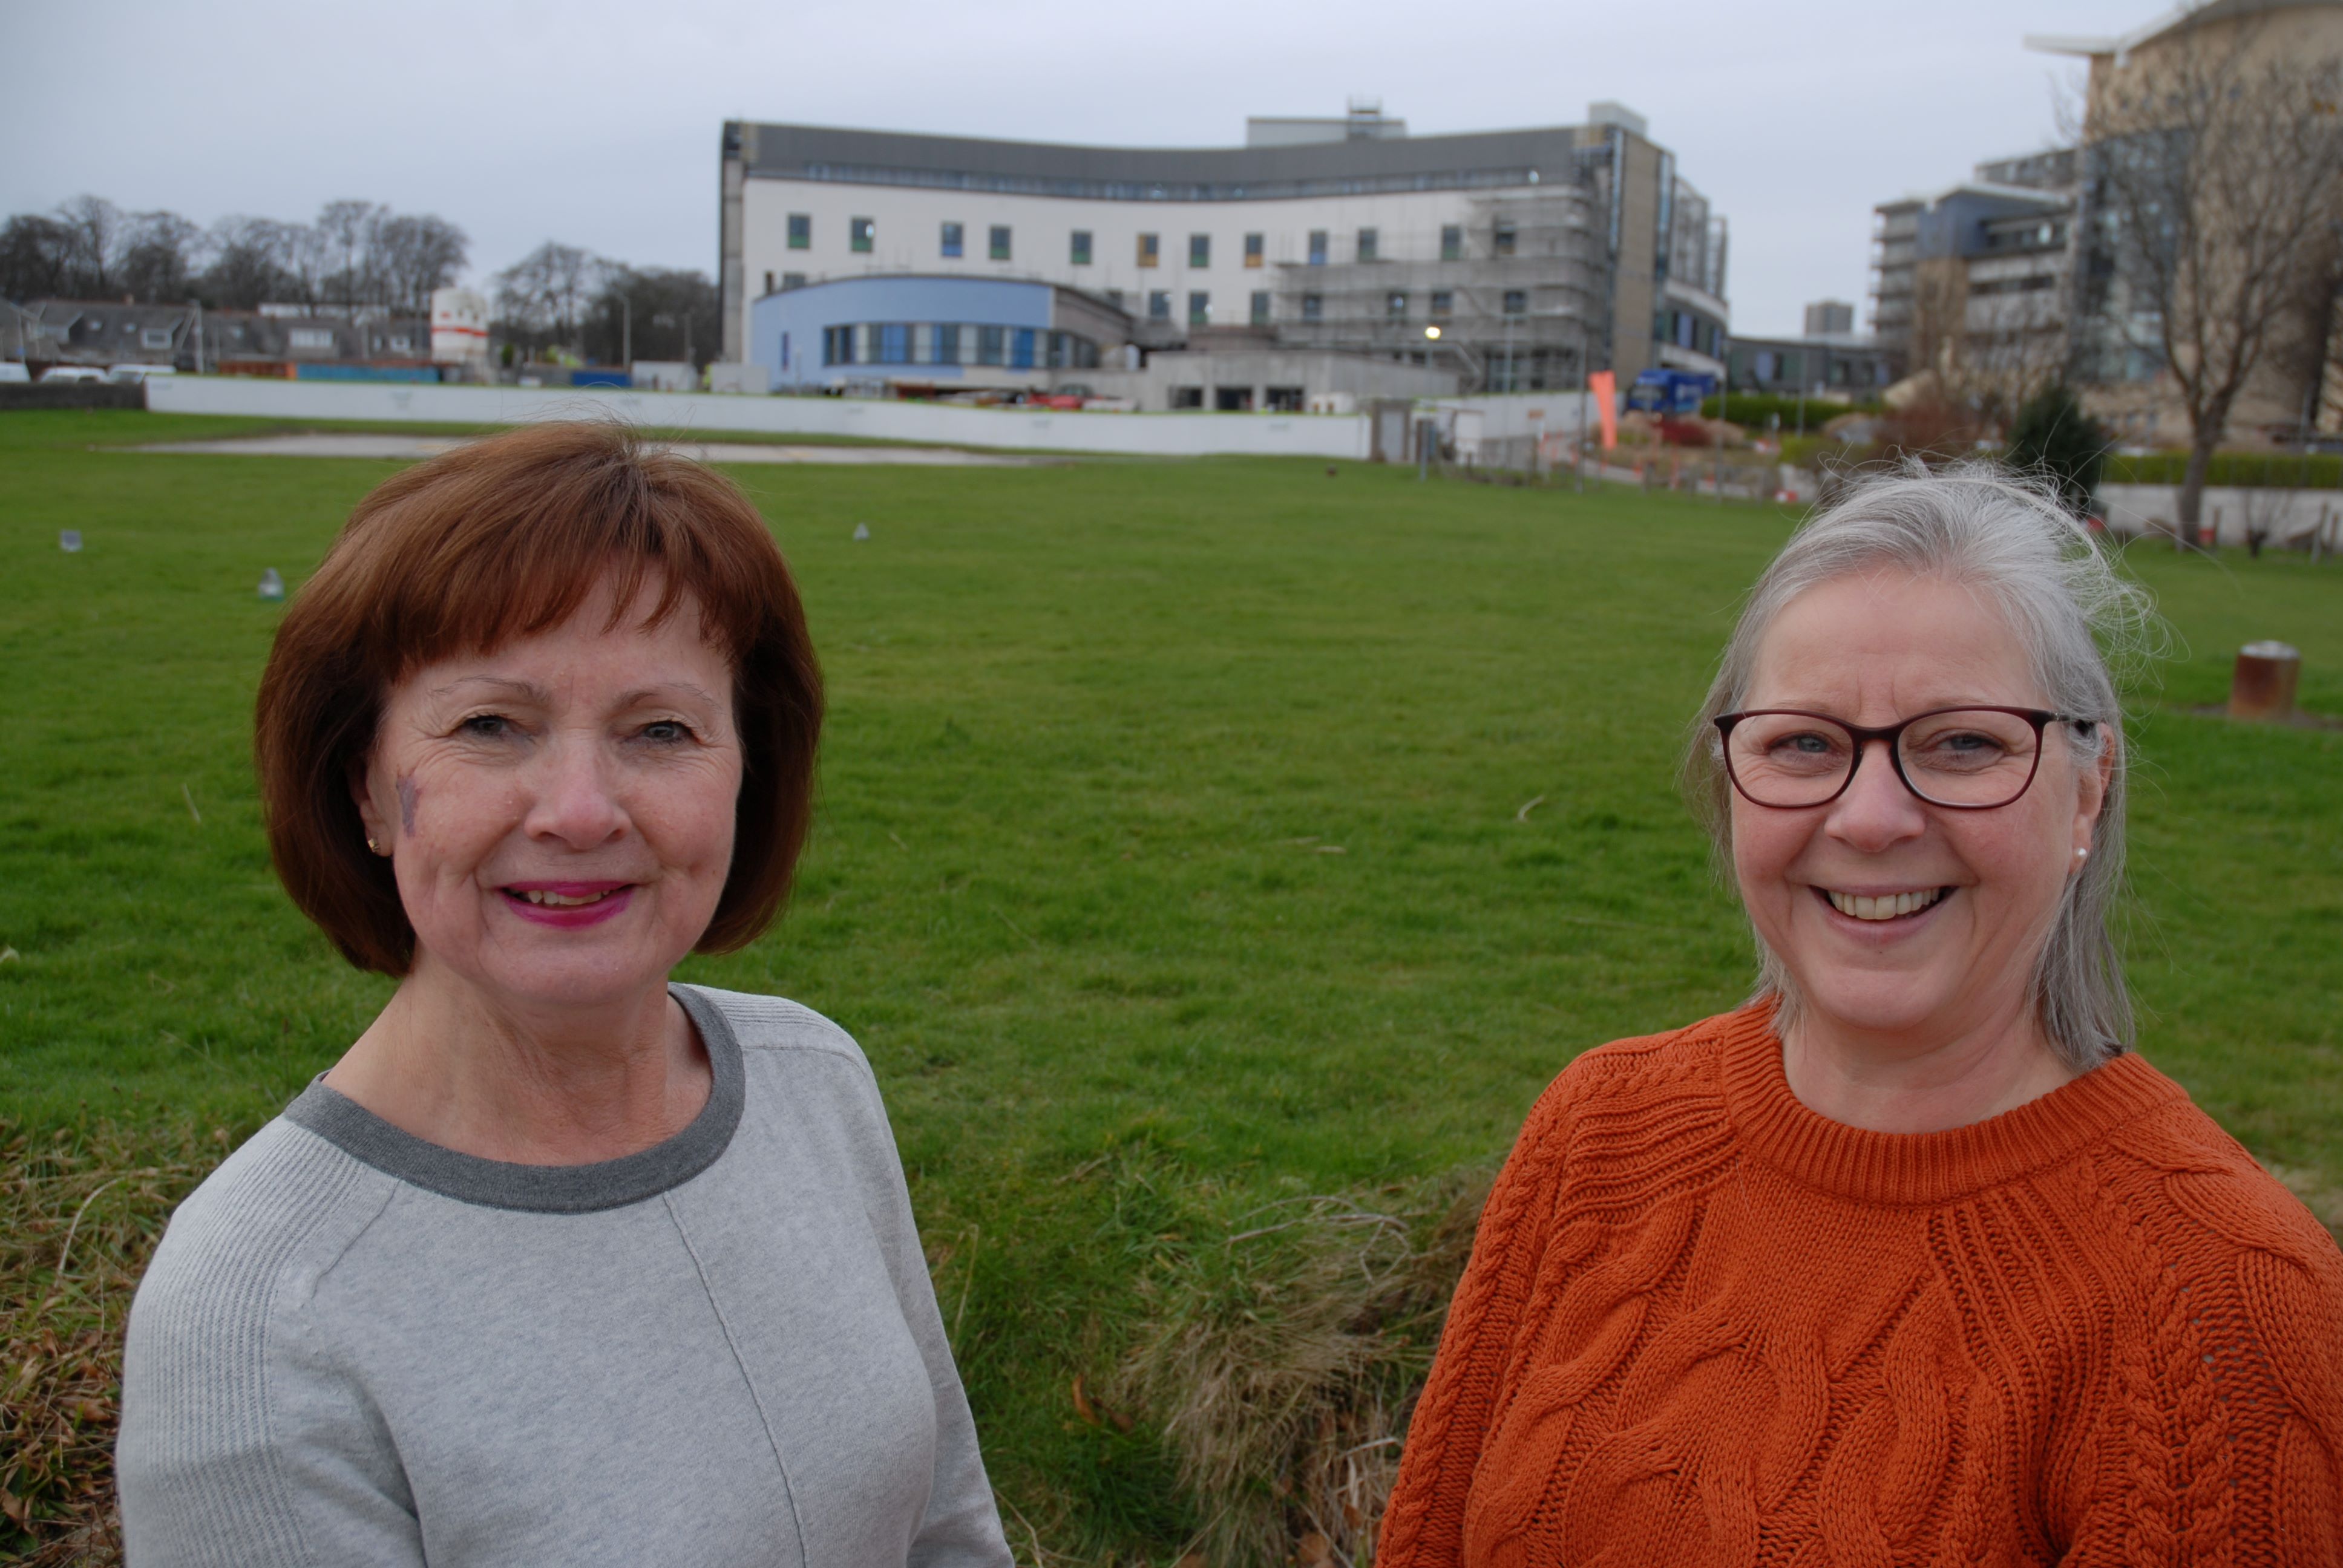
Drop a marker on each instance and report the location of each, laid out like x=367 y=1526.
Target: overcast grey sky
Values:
x=595 y=122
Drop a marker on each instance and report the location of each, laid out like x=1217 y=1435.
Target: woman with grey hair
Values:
x=1911 y=1259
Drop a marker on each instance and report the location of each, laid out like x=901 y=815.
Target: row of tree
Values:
x=356 y=253
x=558 y=298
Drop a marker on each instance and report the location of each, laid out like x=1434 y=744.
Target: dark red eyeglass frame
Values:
x=2040 y=718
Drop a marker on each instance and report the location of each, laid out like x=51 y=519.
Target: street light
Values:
x=1432 y=333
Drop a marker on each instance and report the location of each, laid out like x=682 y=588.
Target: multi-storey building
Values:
x=1973 y=282
x=1517 y=259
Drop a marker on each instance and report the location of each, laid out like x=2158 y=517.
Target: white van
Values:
x=13 y=370
x=56 y=373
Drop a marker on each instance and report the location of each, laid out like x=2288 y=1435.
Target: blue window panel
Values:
x=894 y=344
x=1022 y=353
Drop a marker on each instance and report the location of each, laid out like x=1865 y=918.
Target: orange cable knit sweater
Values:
x=1704 y=1325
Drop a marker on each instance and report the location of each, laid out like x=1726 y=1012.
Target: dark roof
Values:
x=1480 y=159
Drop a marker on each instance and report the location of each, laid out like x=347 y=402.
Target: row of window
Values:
x=863 y=235
x=1441 y=305
x=951 y=343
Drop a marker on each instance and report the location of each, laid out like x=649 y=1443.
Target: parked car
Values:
x=133 y=374
x=56 y=373
x=13 y=370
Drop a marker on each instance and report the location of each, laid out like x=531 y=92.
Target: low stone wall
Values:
x=2281 y=517
x=925 y=424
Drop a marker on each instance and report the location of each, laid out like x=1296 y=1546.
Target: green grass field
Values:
x=1192 y=835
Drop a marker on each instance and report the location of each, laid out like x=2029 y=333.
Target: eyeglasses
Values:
x=1967 y=759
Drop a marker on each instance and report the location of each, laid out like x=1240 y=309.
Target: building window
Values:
x=1233 y=399
x=768 y=283
x=989 y=348
x=1187 y=398
x=1443 y=304
x=310 y=337
x=859 y=234
x=1313 y=307
x=1284 y=399
x=1517 y=302
x=947 y=345
x=1317 y=247
x=1199 y=308
x=1253 y=249
x=1451 y=242
x=1079 y=249
x=1395 y=305
x=800 y=231
x=1150 y=249
x=160 y=337
x=1020 y=350
x=1767 y=365
x=1369 y=243
x=952 y=240
x=1200 y=251
x=894 y=344
x=838 y=345
x=1500 y=238
x=1159 y=305
x=793 y=280
x=1114 y=298
x=1261 y=307
x=1001 y=241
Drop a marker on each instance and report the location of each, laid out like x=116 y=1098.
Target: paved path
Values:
x=412 y=449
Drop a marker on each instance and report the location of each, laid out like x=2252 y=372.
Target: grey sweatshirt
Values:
x=355 y=1347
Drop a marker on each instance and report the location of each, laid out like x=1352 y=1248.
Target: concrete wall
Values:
x=2280 y=514
x=1145 y=435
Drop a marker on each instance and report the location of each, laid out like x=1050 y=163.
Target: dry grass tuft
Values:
x=79 y=1215
x=1281 y=1361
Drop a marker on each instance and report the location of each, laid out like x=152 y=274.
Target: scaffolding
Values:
x=1516 y=296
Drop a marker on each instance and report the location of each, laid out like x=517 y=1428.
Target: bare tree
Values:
x=34 y=257
x=2216 y=167
x=161 y=254
x=93 y=237
x=414 y=253
x=344 y=227
x=538 y=297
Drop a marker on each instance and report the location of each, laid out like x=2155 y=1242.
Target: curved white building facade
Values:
x=1518 y=259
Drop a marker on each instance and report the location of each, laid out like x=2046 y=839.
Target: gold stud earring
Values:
x=372 y=845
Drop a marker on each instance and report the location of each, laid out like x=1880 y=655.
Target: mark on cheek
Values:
x=407 y=796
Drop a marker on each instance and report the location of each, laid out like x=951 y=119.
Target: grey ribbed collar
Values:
x=545 y=1189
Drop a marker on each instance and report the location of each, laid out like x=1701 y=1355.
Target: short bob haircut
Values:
x=502 y=539
x=2081 y=627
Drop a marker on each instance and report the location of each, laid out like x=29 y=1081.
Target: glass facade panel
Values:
x=951 y=246
x=990 y=348
x=1020 y=350
x=948 y=345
